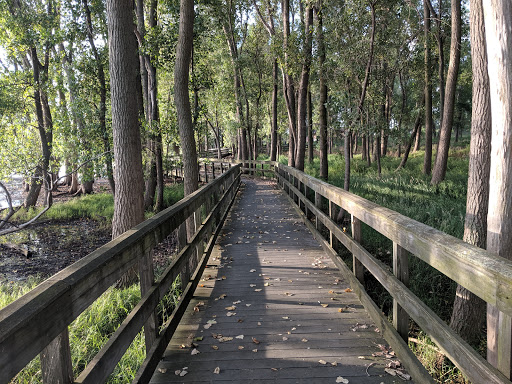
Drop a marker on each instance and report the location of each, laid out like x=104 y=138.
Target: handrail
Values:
x=483 y=273
x=32 y=322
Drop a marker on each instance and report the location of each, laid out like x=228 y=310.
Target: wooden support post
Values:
x=213 y=170
x=357 y=266
x=147 y=278
x=333 y=213
x=401 y=271
x=205 y=172
x=318 y=204
x=182 y=243
x=56 y=364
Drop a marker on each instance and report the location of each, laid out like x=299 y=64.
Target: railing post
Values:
x=213 y=170
x=147 y=278
x=182 y=243
x=318 y=204
x=205 y=172
x=357 y=266
x=401 y=271
x=332 y=215
x=56 y=364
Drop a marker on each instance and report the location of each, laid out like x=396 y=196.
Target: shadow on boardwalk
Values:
x=271 y=307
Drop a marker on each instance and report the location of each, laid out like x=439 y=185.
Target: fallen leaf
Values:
x=224 y=339
x=162 y=370
x=322 y=362
x=334 y=363
x=216 y=370
x=255 y=341
x=252 y=285
x=257 y=290
x=274 y=369
x=348 y=290
x=340 y=310
x=215 y=347
x=324 y=305
x=199 y=338
x=194 y=352
x=229 y=314
x=232 y=308
x=341 y=380
x=240 y=347
x=304 y=340
x=241 y=337
x=252 y=270
x=255 y=350
x=285 y=338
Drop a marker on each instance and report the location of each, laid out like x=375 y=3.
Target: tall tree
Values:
x=181 y=95
x=128 y=200
x=468 y=314
x=427 y=161
x=303 y=90
x=498 y=31
x=322 y=108
x=443 y=147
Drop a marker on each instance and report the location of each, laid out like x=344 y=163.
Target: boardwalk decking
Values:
x=272 y=307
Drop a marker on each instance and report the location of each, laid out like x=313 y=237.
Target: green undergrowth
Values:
x=98 y=206
x=92 y=329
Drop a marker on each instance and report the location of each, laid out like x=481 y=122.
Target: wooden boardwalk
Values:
x=271 y=307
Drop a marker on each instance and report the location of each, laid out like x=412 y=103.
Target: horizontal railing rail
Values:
x=483 y=273
x=38 y=322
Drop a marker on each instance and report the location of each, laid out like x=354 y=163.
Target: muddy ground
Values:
x=55 y=244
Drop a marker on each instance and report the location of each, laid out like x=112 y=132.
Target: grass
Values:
x=98 y=206
x=93 y=327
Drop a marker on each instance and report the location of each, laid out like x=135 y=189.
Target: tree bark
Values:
x=288 y=86
x=303 y=91
x=181 y=96
x=439 y=172
x=310 y=129
x=103 y=98
x=498 y=30
x=468 y=316
x=128 y=201
x=273 y=134
x=427 y=161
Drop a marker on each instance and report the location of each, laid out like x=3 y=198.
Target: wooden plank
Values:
x=460 y=353
x=153 y=356
x=414 y=367
x=32 y=322
x=264 y=253
x=483 y=273
x=401 y=271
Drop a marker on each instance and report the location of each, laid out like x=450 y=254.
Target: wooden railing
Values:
x=38 y=322
x=485 y=274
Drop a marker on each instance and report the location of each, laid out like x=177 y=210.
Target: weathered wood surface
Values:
x=268 y=266
x=483 y=273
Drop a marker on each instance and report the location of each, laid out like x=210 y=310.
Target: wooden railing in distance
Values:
x=483 y=273
x=38 y=322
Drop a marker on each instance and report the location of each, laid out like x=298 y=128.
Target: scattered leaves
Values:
x=241 y=337
x=231 y=308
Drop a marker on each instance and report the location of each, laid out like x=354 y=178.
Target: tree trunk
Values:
x=310 y=129
x=322 y=109
x=128 y=200
x=417 y=125
x=439 y=172
x=103 y=99
x=181 y=96
x=303 y=91
x=427 y=161
x=273 y=134
x=288 y=86
x=498 y=29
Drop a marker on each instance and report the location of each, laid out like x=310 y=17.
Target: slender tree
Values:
x=498 y=32
x=322 y=109
x=427 y=162
x=439 y=172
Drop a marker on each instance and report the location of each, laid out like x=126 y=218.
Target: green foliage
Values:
x=92 y=329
